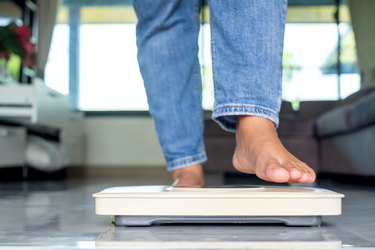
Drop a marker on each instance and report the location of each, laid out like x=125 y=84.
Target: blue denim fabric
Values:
x=247 y=43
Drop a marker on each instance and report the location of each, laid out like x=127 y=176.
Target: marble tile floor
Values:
x=60 y=215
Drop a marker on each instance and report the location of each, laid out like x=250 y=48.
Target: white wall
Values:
x=121 y=141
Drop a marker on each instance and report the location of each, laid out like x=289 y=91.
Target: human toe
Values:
x=277 y=174
x=295 y=174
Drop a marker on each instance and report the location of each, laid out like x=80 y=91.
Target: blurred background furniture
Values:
x=41 y=112
x=346 y=136
x=12 y=146
x=296 y=131
x=331 y=136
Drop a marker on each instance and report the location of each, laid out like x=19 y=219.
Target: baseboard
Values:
x=11 y=173
x=24 y=173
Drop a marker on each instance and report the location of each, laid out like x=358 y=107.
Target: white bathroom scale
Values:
x=148 y=205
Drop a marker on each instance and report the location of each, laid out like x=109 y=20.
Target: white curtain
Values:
x=362 y=13
x=46 y=16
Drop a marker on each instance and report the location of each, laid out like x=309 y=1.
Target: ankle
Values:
x=251 y=121
x=189 y=176
x=254 y=124
x=195 y=170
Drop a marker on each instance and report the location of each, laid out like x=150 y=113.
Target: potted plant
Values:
x=15 y=45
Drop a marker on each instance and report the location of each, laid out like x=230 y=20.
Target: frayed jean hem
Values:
x=226 y=115
x=186 y=161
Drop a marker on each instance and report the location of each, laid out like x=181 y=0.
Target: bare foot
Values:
x=189 y=176
x=260 y=151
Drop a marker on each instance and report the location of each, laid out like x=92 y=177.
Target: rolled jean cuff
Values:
x=186 y=161
x=226 y=115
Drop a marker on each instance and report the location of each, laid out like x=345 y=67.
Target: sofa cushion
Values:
x=212 y=129
x=295 y=127
x=348 y=117
x=363 y=112
x=333 y=122
x=312 y=109
x=357 y=95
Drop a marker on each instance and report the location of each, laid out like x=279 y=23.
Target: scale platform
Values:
x=149 y=205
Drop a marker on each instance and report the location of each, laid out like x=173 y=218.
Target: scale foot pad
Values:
x=158 y=220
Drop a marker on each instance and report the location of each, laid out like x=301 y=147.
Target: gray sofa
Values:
x=346 y=137
x=331 y=136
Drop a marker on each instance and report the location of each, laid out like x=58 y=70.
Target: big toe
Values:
x=277 y=174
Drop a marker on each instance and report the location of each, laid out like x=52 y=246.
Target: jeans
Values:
x=247 y=45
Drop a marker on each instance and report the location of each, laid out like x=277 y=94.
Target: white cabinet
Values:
x=12 y=146
x=39 y=104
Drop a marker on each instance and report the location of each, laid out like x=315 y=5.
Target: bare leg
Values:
x=260 y=151
x=190 y=176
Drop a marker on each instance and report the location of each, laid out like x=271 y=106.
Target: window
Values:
x=57 y=68
x=102 y=46
x=310 y=55
x=109 y=76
